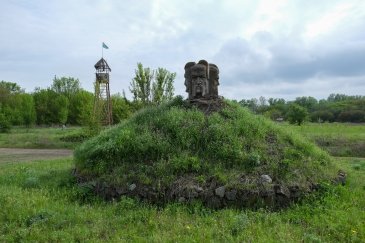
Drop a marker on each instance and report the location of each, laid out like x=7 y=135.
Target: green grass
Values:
x=38 y=138
x=339 y=139
x=346 y=130
x=158 y=146
x=41 y=202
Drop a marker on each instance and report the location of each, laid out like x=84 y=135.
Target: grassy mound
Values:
x=176 y=153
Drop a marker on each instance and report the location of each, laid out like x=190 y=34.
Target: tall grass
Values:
x=344 y=130
x=38 y=137
x=41 y=202
x=159 y=144
x=339 y=139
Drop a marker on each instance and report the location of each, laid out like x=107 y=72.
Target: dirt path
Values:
x=18 y=155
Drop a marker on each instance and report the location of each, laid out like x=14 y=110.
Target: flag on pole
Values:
x=105 y=46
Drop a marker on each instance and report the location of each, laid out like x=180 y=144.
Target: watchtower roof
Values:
x=102 y=65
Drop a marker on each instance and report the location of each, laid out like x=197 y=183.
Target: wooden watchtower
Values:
x=102 y=101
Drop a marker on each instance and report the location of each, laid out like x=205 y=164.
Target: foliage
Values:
x=336 y=108
x=51 y=107
x=307 y=102
x=80 y=102
x=66 y=86
x=5 y=125
x=15 y=105
x=141 y=84
x=352 y=116
x=274 y=114
x=121 y=108
x=80 y=108
x=159 y=144
x=65 y=97
x=163 y=88
x=321 y=116
x=28 y=110
x=296 y=114
x=9 y=87
x=152 y=87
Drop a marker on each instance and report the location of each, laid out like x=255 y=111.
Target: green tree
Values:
x=59 y=109
x=163 y=86
x=5 y=125
x=51 y=107
x=352 y=116
x=296 y=114
x=322 y=116
x=41 y=98
x=274 y=114
x=152 y=87
x=140 y=86
x=308 y=102
x=17 y=106
x=10 y=87
x=28 y=110
x=66 y=86
x=70 y=88
x=121 y=108
x=80 y=107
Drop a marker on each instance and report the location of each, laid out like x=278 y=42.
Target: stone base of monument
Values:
x=208 y=106
x=212 y=193
x=245 y=192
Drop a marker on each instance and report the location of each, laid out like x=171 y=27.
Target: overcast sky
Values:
x=281 y=48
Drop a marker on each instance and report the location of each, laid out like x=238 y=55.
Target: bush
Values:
x=322 y=116
x=5 y=125
x=352 y=116
x=296 y=114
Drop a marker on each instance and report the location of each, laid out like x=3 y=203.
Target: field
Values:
x=49 y=138
x=339 y=139
x=41 y=202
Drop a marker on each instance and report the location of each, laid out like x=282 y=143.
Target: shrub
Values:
x=352 y=116
x=5 y=125
x=296 y=114
x=322 y=116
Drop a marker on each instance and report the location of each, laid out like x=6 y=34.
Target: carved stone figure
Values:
x=213 y=80
x=201 y=80
x=187 y=76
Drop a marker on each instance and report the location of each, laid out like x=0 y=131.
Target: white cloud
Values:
x=329 y=21
x=264 y=47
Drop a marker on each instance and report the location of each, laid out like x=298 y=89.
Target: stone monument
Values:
x=201 y=80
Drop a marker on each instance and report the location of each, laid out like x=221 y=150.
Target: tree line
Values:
x=66 y=102
x=336 y=108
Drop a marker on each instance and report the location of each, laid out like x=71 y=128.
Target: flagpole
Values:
x=102 y=51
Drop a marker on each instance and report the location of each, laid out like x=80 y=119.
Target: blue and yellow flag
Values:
x=105 y=46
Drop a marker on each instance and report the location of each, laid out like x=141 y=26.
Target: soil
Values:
x=20 y=155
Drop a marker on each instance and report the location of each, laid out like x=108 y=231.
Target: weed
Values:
x=49 y=213
x=159 y=144
x=31 y=182
x=40 y=138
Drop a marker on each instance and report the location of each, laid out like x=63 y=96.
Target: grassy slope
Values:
x=40 y=202
x=339 y=139
x=37 y=138
x=158 y=145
